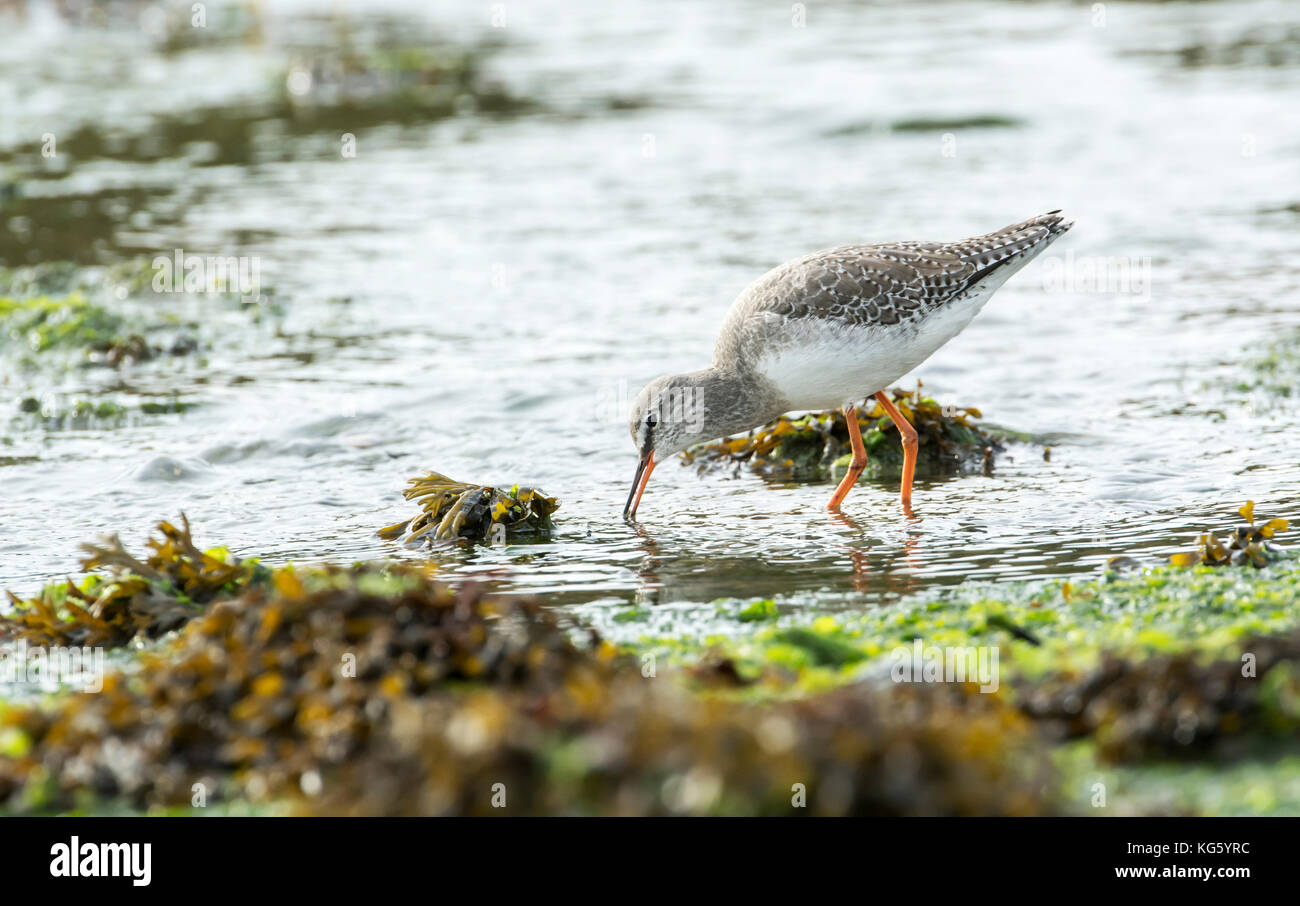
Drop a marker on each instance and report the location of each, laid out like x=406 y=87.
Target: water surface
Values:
x=483 y=293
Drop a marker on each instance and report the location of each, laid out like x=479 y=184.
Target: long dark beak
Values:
x=643 y=470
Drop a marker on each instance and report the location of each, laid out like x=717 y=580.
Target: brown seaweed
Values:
x=1248 y=544
x=636 y=746
x=1175 y=705
x=136 y=599
x=277 y=685
x=454 y=509
x=380 y=691
x=807 y=447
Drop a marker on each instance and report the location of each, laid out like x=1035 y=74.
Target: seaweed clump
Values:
x=264 y=693
x=816 y=446
x=454 y=509
x=1248 y=544
x=137 y=599
x=381 y=692
x=632 y=746
x=1175 y=705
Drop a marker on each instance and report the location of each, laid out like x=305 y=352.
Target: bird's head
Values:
x=667 y=417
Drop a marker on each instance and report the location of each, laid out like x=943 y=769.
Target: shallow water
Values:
x=482 y=294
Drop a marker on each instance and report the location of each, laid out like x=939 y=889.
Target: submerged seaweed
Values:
x=79 y=414
x=1249 y=544
x=816 y=446
x=454 y=509
x=44 y=323
x=361 y=87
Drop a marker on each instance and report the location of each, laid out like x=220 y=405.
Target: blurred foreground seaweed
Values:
x=1248 y=544
x=635 y=746
x=816 y=446
x=379 y=691
x=1176 y=705
x=275 y=685
x=137 y=599
x=454 y=509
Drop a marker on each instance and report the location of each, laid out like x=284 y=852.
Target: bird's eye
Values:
x=650 y=420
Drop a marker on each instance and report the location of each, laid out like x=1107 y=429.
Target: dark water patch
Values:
x=927 y=124
x=1259 y=47
x=955 y=123
x=1292 y=208
x=85 y=227
x=316 y=89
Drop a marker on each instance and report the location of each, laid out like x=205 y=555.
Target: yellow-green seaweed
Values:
x=453 y=509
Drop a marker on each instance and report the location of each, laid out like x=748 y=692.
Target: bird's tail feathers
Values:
x=1019 y=242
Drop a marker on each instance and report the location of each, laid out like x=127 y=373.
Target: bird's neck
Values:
x=735 y=401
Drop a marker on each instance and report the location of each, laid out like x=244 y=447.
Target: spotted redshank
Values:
x=831 y=329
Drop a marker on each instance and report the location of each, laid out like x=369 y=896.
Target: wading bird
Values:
x=827 y=330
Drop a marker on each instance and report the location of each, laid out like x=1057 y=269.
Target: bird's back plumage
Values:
x=880 y=309
x=890 y=282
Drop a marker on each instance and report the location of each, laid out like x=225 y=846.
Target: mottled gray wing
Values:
x=893 y=281
x=879 y=284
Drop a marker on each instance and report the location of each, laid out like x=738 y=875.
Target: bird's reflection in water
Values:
x=895 y=582
x=682 y=573
x=649 y=584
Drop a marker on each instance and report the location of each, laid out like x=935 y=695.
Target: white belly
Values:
x=818 y=365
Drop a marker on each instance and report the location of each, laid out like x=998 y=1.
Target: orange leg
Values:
x=856 y=465
x=909 y=443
